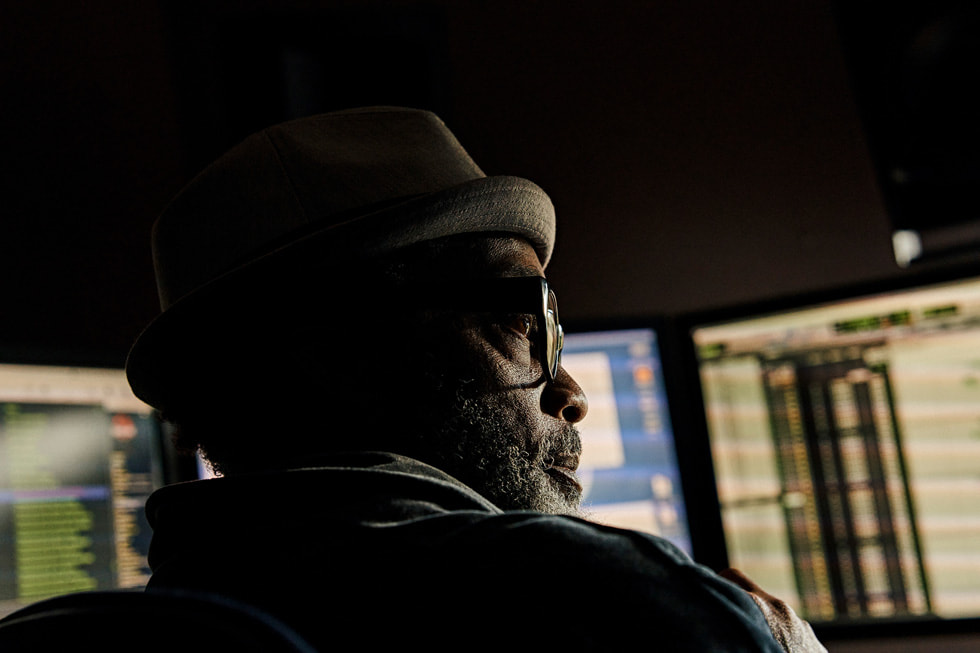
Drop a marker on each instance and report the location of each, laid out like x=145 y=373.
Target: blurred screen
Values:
x=79 y=455
x=629 y=464
x=846 y=447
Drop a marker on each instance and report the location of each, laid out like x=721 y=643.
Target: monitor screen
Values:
x=79 y=454
x=629 y=464
x=845 y=439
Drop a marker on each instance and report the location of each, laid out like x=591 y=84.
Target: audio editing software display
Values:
x=846 y=447
x=78 y=458
x=629 y=465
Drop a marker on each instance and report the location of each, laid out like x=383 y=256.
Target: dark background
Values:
x=699 y=153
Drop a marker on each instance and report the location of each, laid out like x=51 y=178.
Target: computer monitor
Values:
x=629 y=466
x=845 y=438
x=79 y=455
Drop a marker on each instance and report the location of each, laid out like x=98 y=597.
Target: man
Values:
x=358 y=335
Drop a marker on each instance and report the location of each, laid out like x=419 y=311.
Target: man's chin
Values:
x=557 y=495
x=561 y=505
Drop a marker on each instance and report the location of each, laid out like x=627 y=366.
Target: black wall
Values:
x=699 y=153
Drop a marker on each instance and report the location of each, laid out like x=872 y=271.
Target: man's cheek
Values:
x=497 y=369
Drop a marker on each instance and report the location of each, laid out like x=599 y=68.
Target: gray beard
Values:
x=503 y=462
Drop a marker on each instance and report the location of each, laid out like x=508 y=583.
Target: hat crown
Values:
x=309 y=173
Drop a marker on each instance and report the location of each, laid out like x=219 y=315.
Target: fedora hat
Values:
x=313 y=192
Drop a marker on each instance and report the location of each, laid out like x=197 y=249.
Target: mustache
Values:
x=563 y=446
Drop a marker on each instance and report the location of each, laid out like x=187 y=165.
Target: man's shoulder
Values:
x=572 y=533
x=599 y=553
x=605 y=574
x=432 y=544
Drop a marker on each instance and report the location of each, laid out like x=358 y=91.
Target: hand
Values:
x=793 y=634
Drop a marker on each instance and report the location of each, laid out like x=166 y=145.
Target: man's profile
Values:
x=358 y=335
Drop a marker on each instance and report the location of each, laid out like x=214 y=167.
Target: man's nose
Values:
x=564 y=399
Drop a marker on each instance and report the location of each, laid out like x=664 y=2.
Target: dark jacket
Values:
x=373 y=549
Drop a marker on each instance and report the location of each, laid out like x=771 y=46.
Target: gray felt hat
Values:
x=318 y=191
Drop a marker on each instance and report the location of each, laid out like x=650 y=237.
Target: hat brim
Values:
x=242 y=302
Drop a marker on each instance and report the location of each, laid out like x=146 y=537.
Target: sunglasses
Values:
x=506 y=295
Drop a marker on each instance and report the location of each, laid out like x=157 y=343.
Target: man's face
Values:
x=486 y=414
